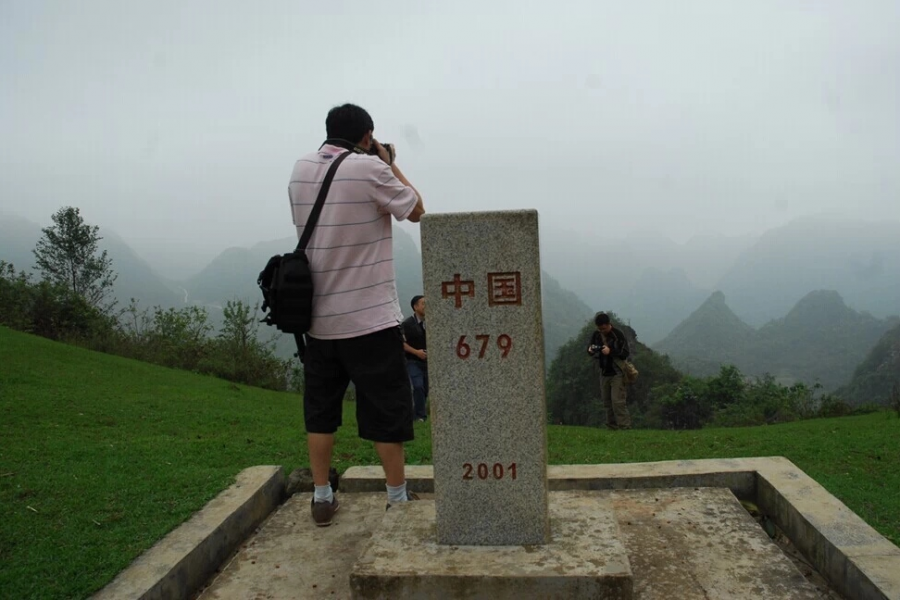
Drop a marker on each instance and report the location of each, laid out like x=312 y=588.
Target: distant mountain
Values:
x=710 y=337
x=17 y=239
x=136 y=279
x=232 y=275
x=408 y=265
x=564 y=315
x=860 y=260
x=651 y=281
x=821 y=340
x=659 y=301
x=875 y=378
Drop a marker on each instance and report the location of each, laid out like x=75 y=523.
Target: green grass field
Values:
x=101 y=456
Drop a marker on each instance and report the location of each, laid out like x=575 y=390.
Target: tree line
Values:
x=664 y=398
x=72 y=301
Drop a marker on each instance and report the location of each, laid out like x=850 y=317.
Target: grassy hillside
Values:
x=102 y=456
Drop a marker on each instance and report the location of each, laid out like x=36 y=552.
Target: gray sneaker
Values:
x=323 y=512
x=409 y=496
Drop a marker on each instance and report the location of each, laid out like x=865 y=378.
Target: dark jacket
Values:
x=414 y=335
x=618 y=346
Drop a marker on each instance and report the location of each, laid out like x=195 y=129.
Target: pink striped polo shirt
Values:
x=351 y=248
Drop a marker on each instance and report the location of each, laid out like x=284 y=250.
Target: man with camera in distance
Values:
x=609 y=346
x=355 y=329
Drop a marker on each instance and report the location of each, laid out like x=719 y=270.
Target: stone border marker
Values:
x=482 y=279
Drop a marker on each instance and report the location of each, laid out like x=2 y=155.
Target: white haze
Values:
x=176 y=124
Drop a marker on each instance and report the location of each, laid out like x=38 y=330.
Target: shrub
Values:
x=834 y=406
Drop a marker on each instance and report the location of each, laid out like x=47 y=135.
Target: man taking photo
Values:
x=609 y=346
x=355 y=332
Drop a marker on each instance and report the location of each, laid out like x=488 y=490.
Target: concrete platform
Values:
x=681 y=543
x=584 y=559
x=289 y=558
x=292 y=559
x=700 y=543
x=855 y=559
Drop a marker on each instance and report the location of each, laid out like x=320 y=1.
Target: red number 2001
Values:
x=483 y=471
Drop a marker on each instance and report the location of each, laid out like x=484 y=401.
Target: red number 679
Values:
x=463 y=350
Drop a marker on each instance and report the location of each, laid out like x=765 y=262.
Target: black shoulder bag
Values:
x=286 y=281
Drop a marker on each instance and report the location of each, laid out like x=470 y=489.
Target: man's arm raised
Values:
x=419 y=209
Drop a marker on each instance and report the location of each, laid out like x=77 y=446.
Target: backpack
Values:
x=286 y=281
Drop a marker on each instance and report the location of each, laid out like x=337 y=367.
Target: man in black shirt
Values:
x=417 y=356
x=610 y=348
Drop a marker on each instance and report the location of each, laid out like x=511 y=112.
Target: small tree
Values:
x=68 y=255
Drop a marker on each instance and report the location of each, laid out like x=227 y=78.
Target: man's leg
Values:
x=320 y=448
x=619 y=396
x=417 y=377
x=606 y=398
x=384 y=408
x=425 y=392
x=325 y=384
x=393 y=460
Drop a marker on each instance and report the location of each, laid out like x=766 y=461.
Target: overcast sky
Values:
x=177 y=123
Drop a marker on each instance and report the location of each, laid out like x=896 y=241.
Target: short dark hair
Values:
x=601 y=318
x=414 y=301
x=348 y=122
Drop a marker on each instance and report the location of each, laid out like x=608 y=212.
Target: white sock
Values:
x=323 y=493
x=396 y=493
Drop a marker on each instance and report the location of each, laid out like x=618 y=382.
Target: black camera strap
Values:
x=308 y=229
x=320 y=202
x=341 y=143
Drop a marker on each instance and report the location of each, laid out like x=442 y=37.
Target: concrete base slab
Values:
x=292 y=559
x=701 y=543
x=672 y=551
x=855 y=559
x=584 y=558
x=681 y=543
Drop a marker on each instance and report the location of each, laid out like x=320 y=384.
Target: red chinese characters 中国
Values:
x=505 y=289
x=457 y=289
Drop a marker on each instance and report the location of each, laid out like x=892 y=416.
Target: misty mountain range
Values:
x=656 y=283
x=820 y=340
x=232 y=275
x=648 y=279
x=877 y=378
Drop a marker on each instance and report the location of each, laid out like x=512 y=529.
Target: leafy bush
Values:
x=177 y=338
x=834 y=406
x=685 y=405
x=46 y=309
x=238 y=354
